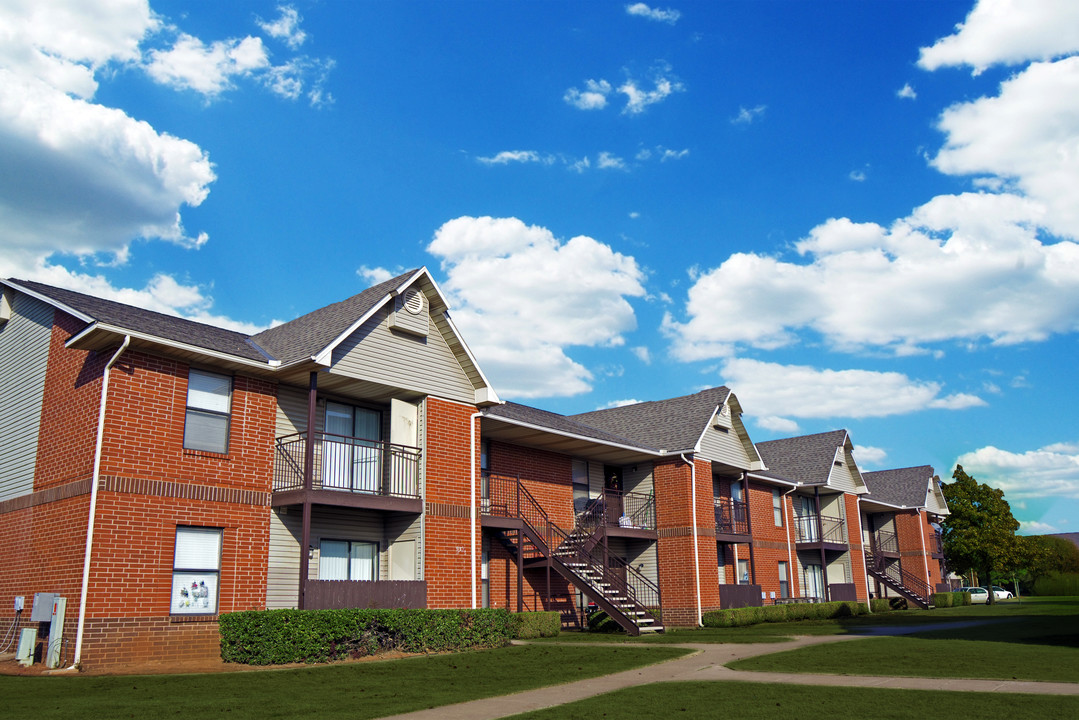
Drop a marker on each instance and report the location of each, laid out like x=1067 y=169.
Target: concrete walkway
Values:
x=707 y=664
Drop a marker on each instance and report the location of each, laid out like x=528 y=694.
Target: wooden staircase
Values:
x=906 y=584
x=580 y=556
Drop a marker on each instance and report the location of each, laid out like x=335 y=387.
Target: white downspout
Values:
x=696 y=551
x=861 y=541
x=472 y=504
x=790 y=558
x=925 y=560
x=94 y=481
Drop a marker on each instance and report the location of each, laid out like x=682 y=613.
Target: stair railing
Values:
x=899 y=576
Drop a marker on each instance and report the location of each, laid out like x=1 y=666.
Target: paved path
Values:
x=707 y=664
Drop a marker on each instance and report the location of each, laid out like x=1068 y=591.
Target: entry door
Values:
x=814 y=581
x=805 y=513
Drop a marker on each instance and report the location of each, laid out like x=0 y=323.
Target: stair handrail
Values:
x=898 y=574
x=528 y=510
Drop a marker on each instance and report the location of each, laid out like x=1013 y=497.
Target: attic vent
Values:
x=414 y=302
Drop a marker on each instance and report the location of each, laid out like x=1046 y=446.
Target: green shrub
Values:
x=271 y=637
x=792 y=612
x=1057 y=584
x=898 y=603
x=601 y=622
x=942 y=599
x=539 y=624
x=962 y=598
x=880 y=605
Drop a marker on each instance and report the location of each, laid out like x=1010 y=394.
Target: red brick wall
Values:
x=447 y=551
x=155 y=486
x=69 y=408
x=546 y=475
x=909 y=525
x=675 y=550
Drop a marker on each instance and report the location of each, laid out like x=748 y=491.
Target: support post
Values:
x=820 y=538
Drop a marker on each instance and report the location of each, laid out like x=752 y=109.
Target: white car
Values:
x=978 y=595
x=1001 y=593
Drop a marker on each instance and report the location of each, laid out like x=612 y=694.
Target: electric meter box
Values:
x=42 y=610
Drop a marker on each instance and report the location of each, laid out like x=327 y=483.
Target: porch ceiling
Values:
x=555 y=442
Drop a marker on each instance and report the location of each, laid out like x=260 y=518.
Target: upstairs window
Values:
x=209 y=402
x=777 y=507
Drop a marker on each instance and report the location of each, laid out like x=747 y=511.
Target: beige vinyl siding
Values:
x=724 y=447
x=283 y=572
x=832 y=506
x=644 y=553
x=291 y=410
x=839 y=570
x=934 y=502
x=331 y=524
x=638 y=480
x=425 y=365
x=24 y=354
x=841 y=478
x=595 y=479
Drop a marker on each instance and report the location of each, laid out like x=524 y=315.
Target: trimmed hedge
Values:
x=951 y=599
x=879 y=605
x=790 y=612
x=539 y=624
x=272 y=637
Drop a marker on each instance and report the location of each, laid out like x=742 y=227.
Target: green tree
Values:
x=979 y=532
x=1046 y=555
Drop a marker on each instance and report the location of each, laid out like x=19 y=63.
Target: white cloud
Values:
x=80 y=177
x=666 y=15
x=207 y=69
x=1008 y=32
x=638 y=100
x=1049 y=471
x=1024 y=139
x=374 y=275
x=619 y=403
x=857 y=175
x=668 y=154
x=868 y=455
x=967 y=267
x=643 y=354
x=777 y=424
x=516 y=156
x=523 y=298
x=163 y=293
x=286 y=27
x=906 y=92
x=1035 y=527
x=593 y=97
x=779 y=392
x=607 y=161
x=747 y=116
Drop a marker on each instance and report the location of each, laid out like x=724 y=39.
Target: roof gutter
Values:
x=129 y=334
x=95 y=480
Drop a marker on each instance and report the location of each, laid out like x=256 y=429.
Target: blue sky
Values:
x=859 y=215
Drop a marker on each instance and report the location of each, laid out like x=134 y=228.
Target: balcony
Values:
x=347 y=471
x=820 y=531
x=936 y=545
x=624 y=514
x=732 y=520
x=334 y=594
x=886 y=543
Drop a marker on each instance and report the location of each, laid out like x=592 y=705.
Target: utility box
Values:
x=27 y=645
x=56 y=633
x=43 y=605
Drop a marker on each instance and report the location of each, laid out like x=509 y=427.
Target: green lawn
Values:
x=355 y=691
x=753 y=701
x=1035 y=640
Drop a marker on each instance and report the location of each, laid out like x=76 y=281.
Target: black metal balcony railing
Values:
x=348 y=464
x=886 y=541
x=831 y=529
x=613 y=508
x=732 y=516
x=936 y=544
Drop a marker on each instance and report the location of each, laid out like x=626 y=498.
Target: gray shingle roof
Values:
x=903 y=486
x=149 y=322
x=806 y=459
x=673 y=425
x=309 y=334
x=556 y=422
